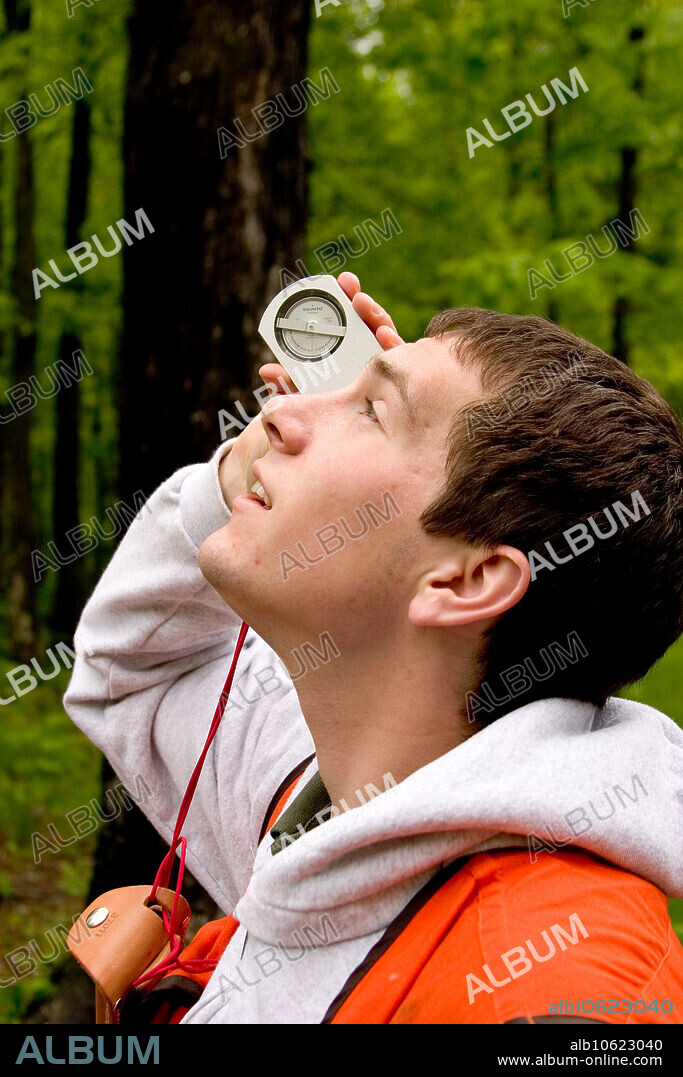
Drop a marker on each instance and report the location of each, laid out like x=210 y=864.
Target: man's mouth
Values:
x=244 y=500
x=259 y=494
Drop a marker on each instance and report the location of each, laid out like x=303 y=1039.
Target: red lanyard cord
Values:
x=176 y=931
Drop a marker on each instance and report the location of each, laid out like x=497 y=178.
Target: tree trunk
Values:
x=551 y=191
x=628 y=190
x=69 y=595
x=21 y=589
x=224 y=228
x=5 y=461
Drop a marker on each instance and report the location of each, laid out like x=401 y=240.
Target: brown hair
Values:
x=564 y=431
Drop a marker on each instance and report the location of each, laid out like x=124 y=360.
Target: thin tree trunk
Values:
x=5 y=504
x=628 y=191
x=551 y=192
x=69 y=595
x=21 y=589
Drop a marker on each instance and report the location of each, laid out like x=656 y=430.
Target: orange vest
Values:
x=493 y=938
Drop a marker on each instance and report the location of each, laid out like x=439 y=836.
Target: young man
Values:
x=460 y=558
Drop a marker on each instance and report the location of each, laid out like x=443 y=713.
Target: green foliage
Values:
x=16 y=999
x=661 y=688
x=93 y=40
x=414 y=76
x=46 y=762
x=49 y=768
x=676 y=914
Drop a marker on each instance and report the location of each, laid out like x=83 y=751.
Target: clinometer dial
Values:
x=310 y=325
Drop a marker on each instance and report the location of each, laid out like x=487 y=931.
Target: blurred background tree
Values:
x=168 y=325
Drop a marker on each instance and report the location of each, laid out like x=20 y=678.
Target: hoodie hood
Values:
x=553 y=773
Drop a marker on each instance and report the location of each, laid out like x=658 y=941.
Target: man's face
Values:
x=330 y=472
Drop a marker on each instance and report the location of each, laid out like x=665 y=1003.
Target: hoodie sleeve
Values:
x=153 y=648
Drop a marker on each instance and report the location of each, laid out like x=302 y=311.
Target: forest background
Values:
x=134 y=365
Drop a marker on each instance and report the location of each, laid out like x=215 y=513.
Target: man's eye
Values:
x=370 y=411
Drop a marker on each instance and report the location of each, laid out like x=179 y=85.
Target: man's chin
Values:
x=213 y=558
x=217 y=565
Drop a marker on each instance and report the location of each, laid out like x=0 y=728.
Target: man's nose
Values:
x=284 y=419
x=289 y=419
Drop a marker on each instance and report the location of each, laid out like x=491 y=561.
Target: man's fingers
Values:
x=375 y=317
x=388 y=338
x=349 y=283
x=276 y=376
x=371 y=312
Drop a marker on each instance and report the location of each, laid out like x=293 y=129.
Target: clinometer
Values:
x=316 y=335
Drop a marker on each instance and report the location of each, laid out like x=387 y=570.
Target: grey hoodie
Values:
x=153 y=648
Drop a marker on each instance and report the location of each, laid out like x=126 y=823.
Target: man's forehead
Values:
x=433 y=371
x=433 y=345
x=429 y=354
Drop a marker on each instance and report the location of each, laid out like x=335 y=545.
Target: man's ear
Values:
x=476 y=585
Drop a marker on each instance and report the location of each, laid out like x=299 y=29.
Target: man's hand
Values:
x=234 y=472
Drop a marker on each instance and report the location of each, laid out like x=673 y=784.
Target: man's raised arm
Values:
x=153 y=649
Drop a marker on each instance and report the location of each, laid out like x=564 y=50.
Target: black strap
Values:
x=392 y=933
x=309 y=807
x=296 y=773
x=140 y=1007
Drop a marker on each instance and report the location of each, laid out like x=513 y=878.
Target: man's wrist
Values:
x=202 y=502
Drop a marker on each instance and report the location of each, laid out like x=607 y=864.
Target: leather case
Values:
x=118 y=938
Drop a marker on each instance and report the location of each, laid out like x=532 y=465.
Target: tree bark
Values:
x=551 y=191
x=224 y=228
x=21 y=589
x=5 y=462
x=628 y=190
x=69 y=594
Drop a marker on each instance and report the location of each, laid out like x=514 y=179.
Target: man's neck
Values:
x=377 y=715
